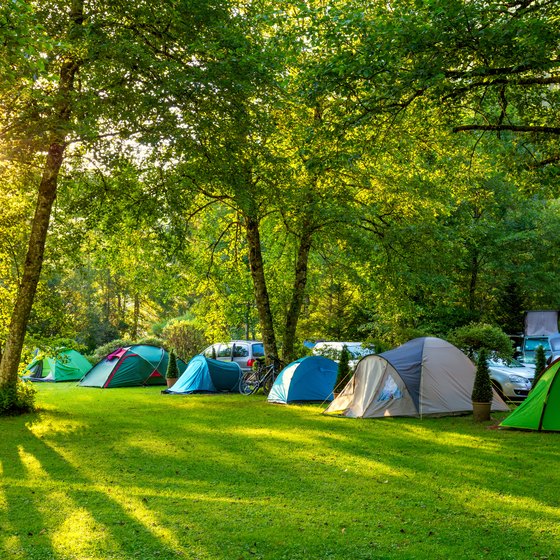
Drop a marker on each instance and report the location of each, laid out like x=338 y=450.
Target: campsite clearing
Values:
x=131 y=473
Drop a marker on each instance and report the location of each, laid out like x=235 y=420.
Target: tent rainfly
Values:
x=133 y=366
x=310 y=379
x=204 y=375
x=424 y=377
x=540 y=411
x=67 y=365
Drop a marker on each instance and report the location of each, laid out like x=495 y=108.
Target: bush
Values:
x=18 y=399
x=343 y=374
x=540 y=363
x=482 y=389
x=106 y=349
x=477 y=336
x=185 y=338
x=172 y=369
x=109 y=347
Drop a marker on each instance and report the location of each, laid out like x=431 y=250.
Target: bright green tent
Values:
x=67 y=365
x=541 y=409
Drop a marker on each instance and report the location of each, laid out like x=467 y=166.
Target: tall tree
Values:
x=113 y=50
x=55 y=142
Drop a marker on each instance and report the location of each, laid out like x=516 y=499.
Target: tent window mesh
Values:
x=390 y=391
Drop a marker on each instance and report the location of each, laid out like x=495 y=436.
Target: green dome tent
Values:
x=132 y=366
x=541 y=409
x=67 y=365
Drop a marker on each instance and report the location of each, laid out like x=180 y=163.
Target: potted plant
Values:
x=482 y=389
x=172 y=373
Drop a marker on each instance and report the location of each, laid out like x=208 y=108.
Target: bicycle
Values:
x=262 y=377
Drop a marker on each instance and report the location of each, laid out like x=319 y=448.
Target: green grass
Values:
x=129 y=473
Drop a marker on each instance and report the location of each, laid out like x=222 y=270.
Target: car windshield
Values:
x=534 y=343
x=499 y=362
x=258 y=350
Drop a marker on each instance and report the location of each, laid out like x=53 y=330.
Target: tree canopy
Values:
x=281 y=171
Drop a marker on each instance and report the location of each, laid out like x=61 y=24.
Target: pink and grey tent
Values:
x=424 y=377
x=131 y=367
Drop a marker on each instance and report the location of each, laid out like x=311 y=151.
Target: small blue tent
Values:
x=308 y=379
x=204 y=375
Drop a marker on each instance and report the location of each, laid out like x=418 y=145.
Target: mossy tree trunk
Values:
x=298 y=294
x=261 y=292
x=40 y=224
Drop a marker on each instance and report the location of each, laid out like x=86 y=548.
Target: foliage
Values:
x=113 y=345
x=172 y=368
x=185 y=337
x=482 y=388
x=343 y=373
x=18 y=399
x=476 y=337
x=330 y=125
x=109 y=347
x=540 y=363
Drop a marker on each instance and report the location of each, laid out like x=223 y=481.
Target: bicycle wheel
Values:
x=249 y=383
x=267 y=383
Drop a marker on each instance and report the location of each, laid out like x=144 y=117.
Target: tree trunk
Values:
x=32 y=267
x=298 y=294
x=46 y=196
x=261 y=291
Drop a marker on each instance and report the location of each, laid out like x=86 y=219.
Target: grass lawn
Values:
x=130 y=473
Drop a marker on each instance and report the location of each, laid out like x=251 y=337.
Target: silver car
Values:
x=244 y=352
x=511 y=379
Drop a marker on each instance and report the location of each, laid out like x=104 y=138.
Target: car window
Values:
x=224 y=351
x=555 y=344
x=208 y=352
x=258 y=350
x=240 y=351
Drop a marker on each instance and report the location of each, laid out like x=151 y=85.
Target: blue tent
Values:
x=204 y=375
x=308 y=379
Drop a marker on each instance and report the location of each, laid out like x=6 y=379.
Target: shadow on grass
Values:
x=152 y=476
x=53 y=508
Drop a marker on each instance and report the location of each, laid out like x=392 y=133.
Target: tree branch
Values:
x=512 y=128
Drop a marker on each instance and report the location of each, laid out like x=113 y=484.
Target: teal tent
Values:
x=204 y=375
x=132 y=366
x=67 y=365
x=310 y=379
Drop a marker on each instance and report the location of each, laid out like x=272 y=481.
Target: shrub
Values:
x=185 y=338
x=109 y=347
x=18 y=399
x=482 y=389
x=476 y=336
x=540 y=363
x=172 y=369
x=343 y=374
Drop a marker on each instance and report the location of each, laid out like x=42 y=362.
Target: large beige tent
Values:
x=424 y=377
